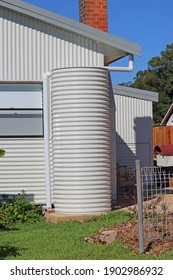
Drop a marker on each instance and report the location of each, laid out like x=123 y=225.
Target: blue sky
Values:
x=147 y=22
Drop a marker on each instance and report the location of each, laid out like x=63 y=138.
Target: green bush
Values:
x=18 y=210
x=2 y=153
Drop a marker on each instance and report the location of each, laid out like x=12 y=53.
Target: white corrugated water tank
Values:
x=81 y=140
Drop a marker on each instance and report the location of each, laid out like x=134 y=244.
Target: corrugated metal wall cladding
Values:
x=128 y=153
x=133 y=119
x=29 y=48
x=23 y=167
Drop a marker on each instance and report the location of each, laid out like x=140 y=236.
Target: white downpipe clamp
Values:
x=123 y=69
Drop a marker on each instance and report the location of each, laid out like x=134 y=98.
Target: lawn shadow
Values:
x=4 y=228
x=7 y=251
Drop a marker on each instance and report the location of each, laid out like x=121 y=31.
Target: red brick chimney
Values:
x=94 y=13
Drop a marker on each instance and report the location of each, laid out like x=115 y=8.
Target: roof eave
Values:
x=74 y=26
x=136 y=93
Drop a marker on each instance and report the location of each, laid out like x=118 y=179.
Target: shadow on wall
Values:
x=137 y=146
x=125 y=154
x=143 y=135
x=141 y=148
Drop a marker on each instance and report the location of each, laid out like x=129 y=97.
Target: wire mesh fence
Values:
x=155 y=188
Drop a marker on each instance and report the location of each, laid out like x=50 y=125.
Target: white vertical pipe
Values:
x=46 y=138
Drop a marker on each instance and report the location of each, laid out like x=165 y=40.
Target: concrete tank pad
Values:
x=55 y=218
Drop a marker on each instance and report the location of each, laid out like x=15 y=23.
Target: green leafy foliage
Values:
x=2 y=153
x=18 y=210
x=159 y=78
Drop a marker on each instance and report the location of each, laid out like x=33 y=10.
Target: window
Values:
x=21 y=110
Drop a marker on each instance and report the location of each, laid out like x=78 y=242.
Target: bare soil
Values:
x=127 y=233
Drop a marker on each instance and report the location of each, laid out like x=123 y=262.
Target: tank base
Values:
x=55 y=218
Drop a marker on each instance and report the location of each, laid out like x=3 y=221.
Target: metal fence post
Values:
x=140 y=206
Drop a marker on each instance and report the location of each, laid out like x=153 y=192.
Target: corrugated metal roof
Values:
x=136 y=93
x=122 y=47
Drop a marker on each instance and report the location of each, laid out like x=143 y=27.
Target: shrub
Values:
x=18 y=210
x=2 y=153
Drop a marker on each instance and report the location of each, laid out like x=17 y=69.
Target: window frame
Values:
x=28 y=83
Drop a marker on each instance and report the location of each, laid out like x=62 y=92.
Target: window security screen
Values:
x=21 y=112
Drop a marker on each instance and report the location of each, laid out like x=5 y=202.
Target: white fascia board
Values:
x=167 y=115
x=136 y=93
x=73 y=26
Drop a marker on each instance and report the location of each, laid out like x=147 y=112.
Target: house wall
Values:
x=22 y=168
x=133 y=130
x=28 y=49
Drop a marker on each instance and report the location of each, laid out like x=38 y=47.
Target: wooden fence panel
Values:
x=162 y=135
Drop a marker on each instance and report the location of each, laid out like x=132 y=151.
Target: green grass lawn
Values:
x=64 y=241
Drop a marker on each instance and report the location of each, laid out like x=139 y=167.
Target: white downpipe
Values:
x=123 y=69
x=46 y=138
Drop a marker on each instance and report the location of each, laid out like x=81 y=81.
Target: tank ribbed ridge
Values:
x=81 y=140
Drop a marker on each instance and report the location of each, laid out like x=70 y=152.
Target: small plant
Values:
x=2 y=153
x=18 y=210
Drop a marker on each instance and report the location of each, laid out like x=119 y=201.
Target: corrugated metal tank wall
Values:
x=35 y=47
x=136 y=141
x=81 y=140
